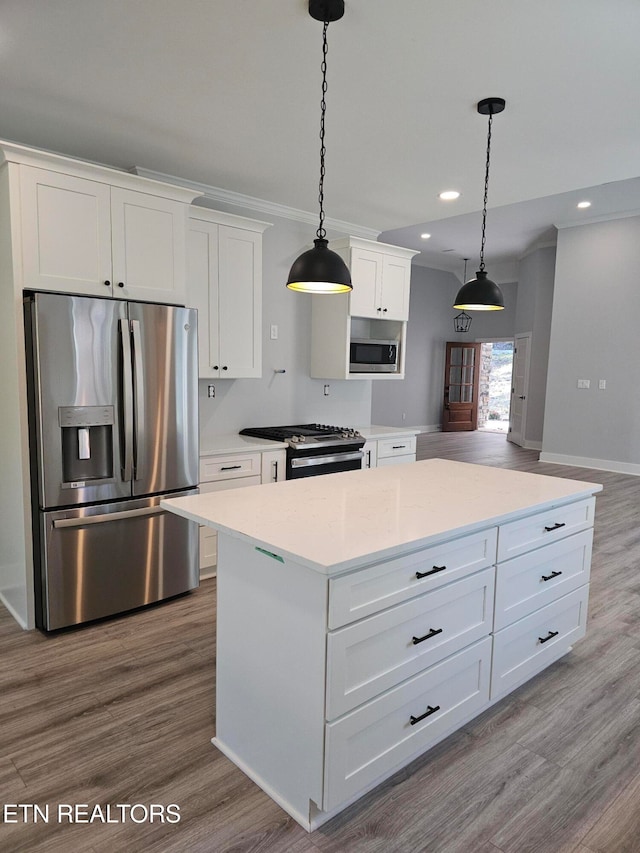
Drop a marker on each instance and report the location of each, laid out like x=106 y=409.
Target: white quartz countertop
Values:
x=341 y=521
x=234 y=443
x=373 y=431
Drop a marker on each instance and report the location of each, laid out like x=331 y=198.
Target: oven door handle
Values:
x=306 y=461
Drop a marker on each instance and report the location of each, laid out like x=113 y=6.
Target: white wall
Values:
x=533 y=314
x=594 y=335
x=292 y=397
x=419 y=396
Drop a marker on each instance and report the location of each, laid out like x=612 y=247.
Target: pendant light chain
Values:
x=486 y=194
x=321 y=233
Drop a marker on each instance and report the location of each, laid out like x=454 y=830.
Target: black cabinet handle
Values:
x=398 y=446
x=413 y=720
x=215 y=367
x=384 y=310
x=555 y=526
x=552 y=575
x=230 y=467
x=549 y=636
x=428 y=636
x=224 y=367
x=108 y=283
x=121 y=284
x=430 y=572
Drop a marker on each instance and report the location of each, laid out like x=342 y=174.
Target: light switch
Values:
x=274 y=332
x=602 y=384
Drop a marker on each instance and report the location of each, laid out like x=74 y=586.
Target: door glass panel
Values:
x=455 y=375
x=467 y=374
x=456 y=355
x=466 y=394
x=454 y=394
x=468 y=356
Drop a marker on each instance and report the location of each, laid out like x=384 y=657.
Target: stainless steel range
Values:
x=315 y=448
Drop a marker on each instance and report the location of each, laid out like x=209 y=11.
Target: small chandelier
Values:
x=319 y=270
x=462 y=321
x=482 y=294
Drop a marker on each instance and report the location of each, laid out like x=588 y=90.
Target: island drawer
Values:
x=377 y=653
x=230 y=467
x=532 y=643
x=403 y=446
x=388 y=731
x=534 y=580
x=534 y=531
x=367 y=591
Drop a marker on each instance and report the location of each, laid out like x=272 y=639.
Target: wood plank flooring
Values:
x=123 y=711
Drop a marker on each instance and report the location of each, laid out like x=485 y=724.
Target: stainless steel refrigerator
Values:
x=113 y=425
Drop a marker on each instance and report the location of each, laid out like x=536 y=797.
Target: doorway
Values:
x=494 y=398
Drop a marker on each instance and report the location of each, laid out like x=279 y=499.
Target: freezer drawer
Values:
x=110 y=558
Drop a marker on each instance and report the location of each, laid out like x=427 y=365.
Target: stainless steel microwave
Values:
x=370 y=356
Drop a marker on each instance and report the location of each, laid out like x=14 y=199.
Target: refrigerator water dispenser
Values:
x=87 y=443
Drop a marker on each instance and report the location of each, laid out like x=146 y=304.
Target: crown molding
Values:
x=217 y=194
x=605 y=217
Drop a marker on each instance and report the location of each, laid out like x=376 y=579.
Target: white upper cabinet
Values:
x=381 y=276
x=224 y=274
x=99 y=233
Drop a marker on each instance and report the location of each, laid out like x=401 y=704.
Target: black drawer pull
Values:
x=549 y=636
x=413 y=720
x=552 y=575
x=428 y=636
x=398 y=446
x=555 y=526
x=230 y=467
x=430 y=572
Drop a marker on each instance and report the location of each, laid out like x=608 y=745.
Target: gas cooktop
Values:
x=307 y=434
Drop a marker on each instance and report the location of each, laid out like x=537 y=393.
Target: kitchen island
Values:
x=364 y=616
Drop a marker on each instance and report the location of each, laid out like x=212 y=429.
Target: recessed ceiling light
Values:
x=425 y=236
x=449 y=195
x=584 y=204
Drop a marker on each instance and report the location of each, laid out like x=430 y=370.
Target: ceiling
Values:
x=226 y=92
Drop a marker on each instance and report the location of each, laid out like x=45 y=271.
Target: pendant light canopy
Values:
x=462 y=321
x=482 y=294
x=319 y=270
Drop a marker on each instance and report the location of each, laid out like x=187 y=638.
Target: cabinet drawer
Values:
x=377 y=653
x=367 y=591
x=395 y=460
x=518 y=537
x=230 y=467
x=522 y=649
x=380 y=736
x=534 y=580
x=396 y=446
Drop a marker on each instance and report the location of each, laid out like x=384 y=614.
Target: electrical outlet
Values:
x=584 y=383
x=602 y=384
x=274 y=332
x=326 y=390
x=211 y=390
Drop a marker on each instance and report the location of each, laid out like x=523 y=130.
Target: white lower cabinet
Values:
x=391 y=657
x=389 y=451
x=233 y=471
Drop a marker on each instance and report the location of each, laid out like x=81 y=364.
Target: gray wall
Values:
x=594 y=335
x=417 y=401
x=292 y=397
x=533 y=314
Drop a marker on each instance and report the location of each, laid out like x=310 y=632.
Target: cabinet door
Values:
x=274 y=466
x=239 y=302
x=366 y=275
x=370 y=454
x=396 y=276
x=148 y=247
x=66 y=233
x=202 y=292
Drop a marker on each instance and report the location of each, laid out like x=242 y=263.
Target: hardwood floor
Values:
x=123 y=712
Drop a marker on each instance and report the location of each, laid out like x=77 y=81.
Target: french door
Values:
x=461 y=379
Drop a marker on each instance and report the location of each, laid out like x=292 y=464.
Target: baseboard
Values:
x=428 y=428
x=532 y=445
x=4 y=598
x=587 y=462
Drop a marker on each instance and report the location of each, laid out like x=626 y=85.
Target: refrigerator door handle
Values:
x=138 y=379
x=104 y=517
x=127 y=400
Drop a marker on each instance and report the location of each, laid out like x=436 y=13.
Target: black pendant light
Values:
x=462 y=321
x=482 y=294
x=319 y=270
